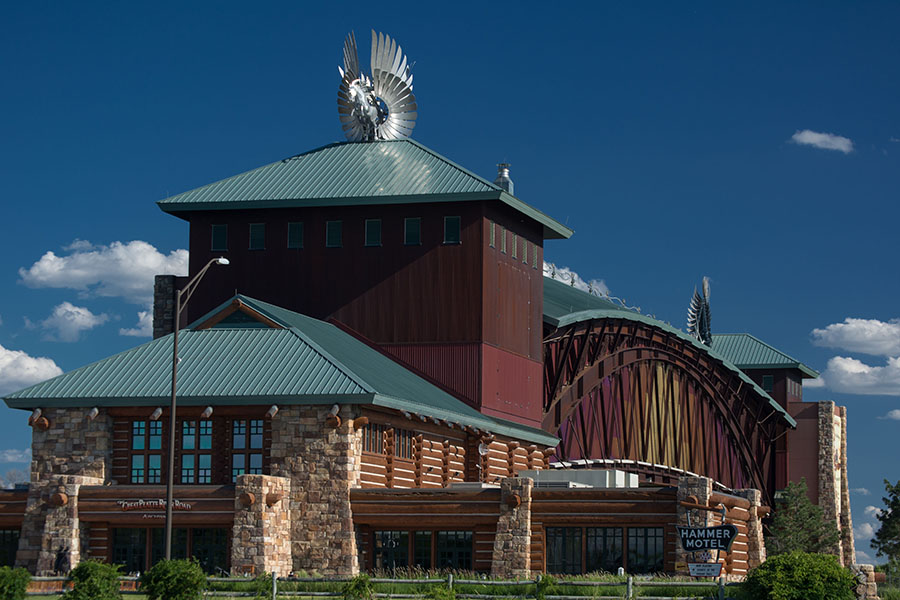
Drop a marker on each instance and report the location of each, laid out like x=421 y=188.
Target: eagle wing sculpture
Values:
x=698 y=321
x=380 y=107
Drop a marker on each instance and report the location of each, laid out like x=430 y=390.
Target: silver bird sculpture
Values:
x=380 y=107
x=698 y=317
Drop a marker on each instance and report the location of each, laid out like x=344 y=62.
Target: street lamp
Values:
x=170 y=475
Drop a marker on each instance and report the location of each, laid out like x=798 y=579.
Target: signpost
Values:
x=702 y=541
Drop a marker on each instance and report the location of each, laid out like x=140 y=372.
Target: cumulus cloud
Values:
x=15 y=456
x=825 y=141
x=814 y=383
x=864 y=531
x=568 y=276
x=893 y=415
x=863 y=558
x=852 y=376
x=67 y=321
x=861 y=491
x=867 y=336
x=144 y=326
x=873 y=511
x=19 y=370
x=121 y=269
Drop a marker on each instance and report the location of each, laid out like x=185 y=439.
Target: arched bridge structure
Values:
x=623 y=386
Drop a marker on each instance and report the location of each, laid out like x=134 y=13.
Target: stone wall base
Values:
x=262 y=526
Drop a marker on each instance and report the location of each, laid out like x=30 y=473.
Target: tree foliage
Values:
x=799 y=576
x=799 y=525
x=13 y=583
x=887 y=538
x=94 y=580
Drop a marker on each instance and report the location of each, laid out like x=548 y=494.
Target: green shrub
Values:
x=799 y=576
x=543 y=585
x=440 y=592
x=359 y=588
x=94 y=580
x=13 y=583
x=174 y=580
x=888 y=593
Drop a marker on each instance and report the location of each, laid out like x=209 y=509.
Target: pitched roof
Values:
x=300 y=360
x=564 y=305
x=355 y=173
x=749 y=352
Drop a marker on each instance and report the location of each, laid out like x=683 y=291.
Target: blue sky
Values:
x=759 y=147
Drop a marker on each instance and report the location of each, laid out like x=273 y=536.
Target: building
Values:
x=394 y=382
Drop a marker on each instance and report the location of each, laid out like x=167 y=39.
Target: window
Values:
x=422 y=549
x=295 y=235
x=564 y=550
x=219 y=237
x=373 y=232
x=257 y=236
x=146 y=454
x=130 y=549
x=454 y=550
x=645 y=549
x=603 y=549
x=502 y=240
x=403 y=443
x=768 y=383
x=515 y=245
x=333 y=234
x=391 y=549
x=246 y=447
x=412 y=231
x=451 y=230
x=196 y=455
x=373 y=438
x=491 y=235
x=9 y=545
x=524 y=252
x=534 y=258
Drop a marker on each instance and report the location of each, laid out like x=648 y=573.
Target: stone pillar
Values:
x=320 y=457
x=512 y=542
x=829 y=466
x=261 y=532
x=866 y=588
x=756 y=546
x=847 y=544
x=74 y=450
x=691 y=489
x=164 y=288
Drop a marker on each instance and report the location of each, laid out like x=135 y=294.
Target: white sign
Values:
x=705 y=569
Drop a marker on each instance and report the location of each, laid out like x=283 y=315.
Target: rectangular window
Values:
x=246 y=444
x=515 y=245
x=403 y=443
x=451 y=230
x=491 y=234
x=412 y=231
x=219 y=237
x=645 y=549
x=138 y=435
x=603 y=549
x=295 y=235
x=146 y=467
x=502 y=240
x=187 y=468
x=9 y=545
x=257 y=236
x=525 y=252
x=154 y=468
x=564 y=550
x=238 y=466
x=373 y=232
x=137 y=468
x=391 y=549
x=534 y=258
x=204 y=468
x=768 y=383
x=155 y=441
x=454 y=550
x=373 y=438
x=334 y=236
x=422 y=549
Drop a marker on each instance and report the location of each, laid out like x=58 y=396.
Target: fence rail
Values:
x=631 y=585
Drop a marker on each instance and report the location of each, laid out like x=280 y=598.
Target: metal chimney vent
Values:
x=503 y=179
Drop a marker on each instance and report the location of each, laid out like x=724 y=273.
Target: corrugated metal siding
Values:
x=345 y=170
x=512 y=386
x=747 y=351
x=457 y=367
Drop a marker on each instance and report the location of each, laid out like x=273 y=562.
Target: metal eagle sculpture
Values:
x=698 y=317
x=380 y=107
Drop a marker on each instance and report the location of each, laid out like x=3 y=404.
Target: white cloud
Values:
x=893 y=415
x=122 y=269
x=852 y=376
x=144 y=326
x=825 y=141
x=15 y=456
x=860 y=491
x=570 y=277
x=863 y=558
x=67 y=321
x=868 y=336
x=873 y=511
x=814 y=383
x=18 y=370
x=863 y=531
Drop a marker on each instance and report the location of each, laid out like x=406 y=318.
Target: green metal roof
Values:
x=564 y=305
x=749 y=352
x=307 y=362
x=355 y=173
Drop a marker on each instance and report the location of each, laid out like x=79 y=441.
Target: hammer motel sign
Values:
x=694 y=539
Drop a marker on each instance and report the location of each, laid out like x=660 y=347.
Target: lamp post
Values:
x=188 y=290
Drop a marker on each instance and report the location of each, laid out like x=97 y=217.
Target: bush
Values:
x=94 y=580
x=359 y=588
x=799 y=576
x=440 y=592
x=174 y=580
x=13 y=583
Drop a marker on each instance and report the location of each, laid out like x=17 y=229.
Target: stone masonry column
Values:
x=828 y=467
x=847 y=543
x=756 y=546
x=512 y=542
x=262 y=526
x=691 y=489
x=62 y=530
x=320 y=456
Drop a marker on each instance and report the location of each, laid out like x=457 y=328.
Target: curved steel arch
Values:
x=621 y=389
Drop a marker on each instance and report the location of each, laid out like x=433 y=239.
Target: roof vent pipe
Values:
x=503 y=181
